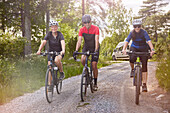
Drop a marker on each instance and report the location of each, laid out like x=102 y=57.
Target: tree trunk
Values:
x=27 y=28
x=47 y=22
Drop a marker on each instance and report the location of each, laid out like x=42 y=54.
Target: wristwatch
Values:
x=153 y=49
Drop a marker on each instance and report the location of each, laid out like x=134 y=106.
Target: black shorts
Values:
x=94 y=58
x=144 y=59
x=53 y=57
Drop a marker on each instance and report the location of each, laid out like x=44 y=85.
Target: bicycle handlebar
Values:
x=50 y=53
x=139 y=53
x=85 y=53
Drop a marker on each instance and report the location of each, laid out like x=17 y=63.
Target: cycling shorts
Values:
x=53 y=57
x=94 y=57
x=143 y=59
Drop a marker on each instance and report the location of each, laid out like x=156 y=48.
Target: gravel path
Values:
x=115 y=95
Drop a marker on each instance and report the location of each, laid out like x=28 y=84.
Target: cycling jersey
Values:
x=89 y=37
x=54 y=42
x=140 y=39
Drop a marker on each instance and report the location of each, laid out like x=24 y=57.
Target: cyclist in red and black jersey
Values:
x=56 y=43
x=90 y=33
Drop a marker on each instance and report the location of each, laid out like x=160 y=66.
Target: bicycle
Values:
x=137 y=77
x=52 y=78
x=87 y=75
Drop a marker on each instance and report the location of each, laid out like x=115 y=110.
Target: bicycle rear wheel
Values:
x=137 y=85
x=83 y=84
x=49 y=87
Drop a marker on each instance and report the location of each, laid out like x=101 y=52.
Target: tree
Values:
x=150 y=11
x=27 y=27
x=118 y=26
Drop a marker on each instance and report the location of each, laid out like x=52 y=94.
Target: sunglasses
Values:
x=86 y=22
x=137 y=26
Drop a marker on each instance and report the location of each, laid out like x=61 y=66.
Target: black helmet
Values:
x=53 y=22
x=86 y=18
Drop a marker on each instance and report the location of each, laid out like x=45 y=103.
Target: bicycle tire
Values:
x=49 y=83
x=83 y=89
x=59 y=84
x=91 y=82
x=137 y=85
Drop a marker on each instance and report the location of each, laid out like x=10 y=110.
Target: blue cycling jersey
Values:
x=140 y=40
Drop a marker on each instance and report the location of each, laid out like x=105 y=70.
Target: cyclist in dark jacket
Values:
x=140 y=42
x=56 y=43
x=90 y=33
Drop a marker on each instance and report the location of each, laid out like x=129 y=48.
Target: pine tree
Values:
x=149 y=14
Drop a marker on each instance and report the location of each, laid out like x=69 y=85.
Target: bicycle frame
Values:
x=137 y=64
x=87 y=77
x=86 y=66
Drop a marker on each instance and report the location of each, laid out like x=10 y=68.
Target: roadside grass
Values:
x=163 y=73
x=29 y=75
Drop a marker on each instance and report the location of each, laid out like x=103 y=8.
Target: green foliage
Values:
x=163 y=73
x=11 y=47
x=119 y=19
x=163 y=56
x=153 y=18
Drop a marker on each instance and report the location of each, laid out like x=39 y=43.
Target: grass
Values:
x=163 y=73
x=29 y=75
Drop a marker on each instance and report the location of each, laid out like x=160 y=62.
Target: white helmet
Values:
x=137 y=22
x=53 y=22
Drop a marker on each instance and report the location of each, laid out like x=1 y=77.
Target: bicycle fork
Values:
x=135 y=74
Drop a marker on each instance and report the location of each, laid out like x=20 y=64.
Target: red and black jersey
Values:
x=89 y=37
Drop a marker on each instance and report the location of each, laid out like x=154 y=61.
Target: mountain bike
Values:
x=137 y=77
x=87 y=76
x=52 y=78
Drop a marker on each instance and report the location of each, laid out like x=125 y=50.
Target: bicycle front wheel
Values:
x=49 y=87
x=58 y=85
x=83 y=84
x=137 y=85
x=91 y=81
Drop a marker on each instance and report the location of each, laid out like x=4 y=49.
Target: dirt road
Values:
x=116 y=94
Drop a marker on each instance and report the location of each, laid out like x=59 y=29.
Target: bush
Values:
x=163 y=73
x=11 y=47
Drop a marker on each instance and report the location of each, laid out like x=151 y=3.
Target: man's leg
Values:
x=83 y=59
x=144 y=77
x=132 y=70
x=60 y=66
x=95 y=73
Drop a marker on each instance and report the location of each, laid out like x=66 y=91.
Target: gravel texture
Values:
x=116 y=94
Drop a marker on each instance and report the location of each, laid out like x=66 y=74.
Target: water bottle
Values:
x=55 y=68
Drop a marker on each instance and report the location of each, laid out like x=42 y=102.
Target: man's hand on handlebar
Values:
x=124 y=52
x=38 y=52
x=74 y=55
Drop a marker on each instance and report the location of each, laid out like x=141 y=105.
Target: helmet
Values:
x=53 y=22
x=137 y=22
x=86 y=18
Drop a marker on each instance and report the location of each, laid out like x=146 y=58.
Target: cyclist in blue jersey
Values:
x=56 y=43
x=140 y=42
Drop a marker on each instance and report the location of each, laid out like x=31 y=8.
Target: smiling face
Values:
x=137 y=28
x=87 y=24
x=54 y=28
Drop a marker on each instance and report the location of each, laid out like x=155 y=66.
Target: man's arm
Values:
x=124 y=47
x=41 y=46
x=78 y=43
x=96 y=42
x=63 y=47
x=151 y=46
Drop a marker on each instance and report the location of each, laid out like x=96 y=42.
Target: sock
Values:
x=95 y=81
